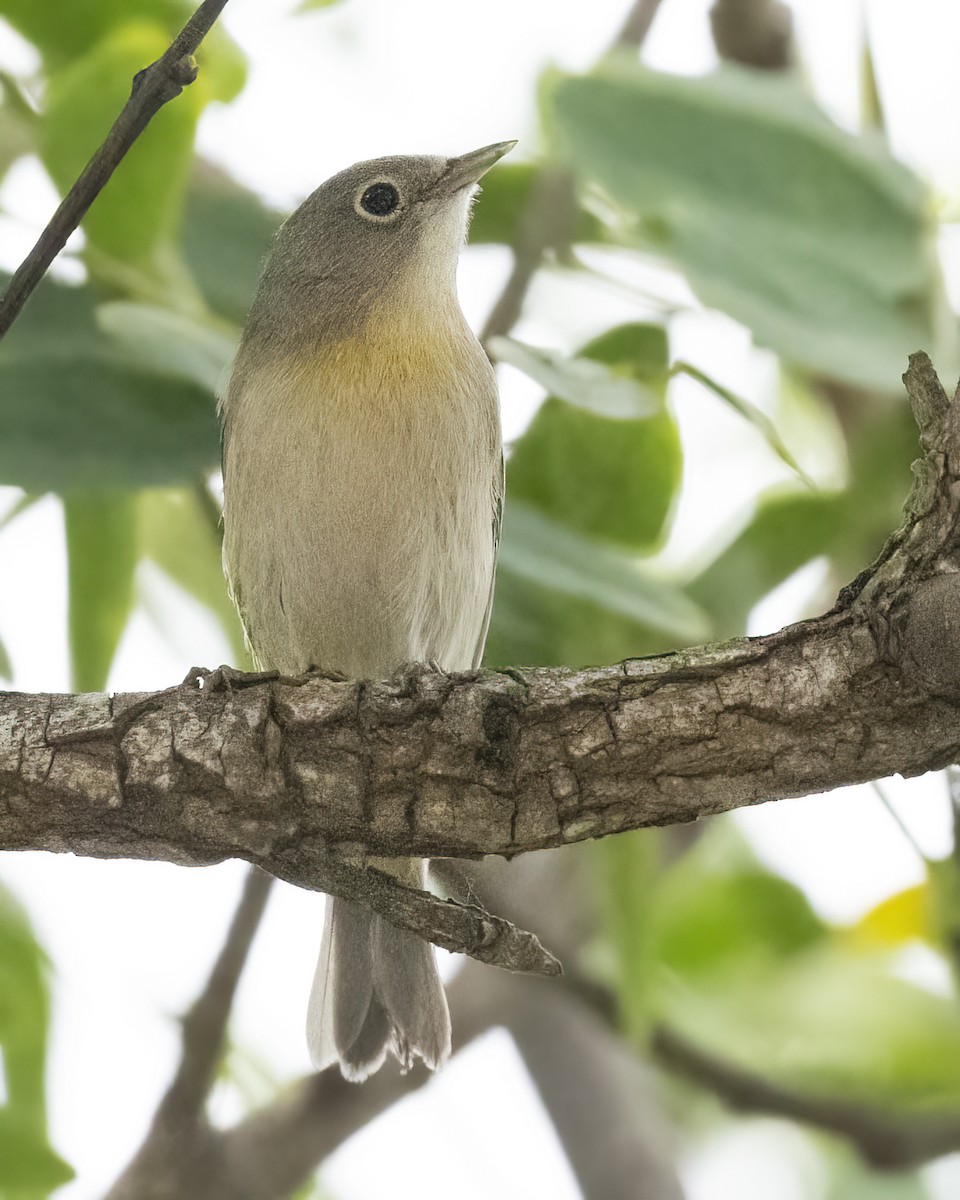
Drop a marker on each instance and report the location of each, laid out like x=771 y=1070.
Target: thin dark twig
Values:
x=152 y=88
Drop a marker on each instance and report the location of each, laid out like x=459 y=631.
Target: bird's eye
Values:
x=380 y=200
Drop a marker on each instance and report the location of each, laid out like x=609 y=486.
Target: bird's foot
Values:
x=315 y=672
x=226 y=679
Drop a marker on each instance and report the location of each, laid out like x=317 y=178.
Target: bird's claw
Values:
x=226 y=679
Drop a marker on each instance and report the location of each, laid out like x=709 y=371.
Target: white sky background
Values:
x=131 y=942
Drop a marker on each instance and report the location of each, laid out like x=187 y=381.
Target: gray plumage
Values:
x=362 y=487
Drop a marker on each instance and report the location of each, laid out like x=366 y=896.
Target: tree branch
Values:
x=301 y=777
x=152 y=88
x=597 y=1094
x=885 y=1139
x=278 y=1147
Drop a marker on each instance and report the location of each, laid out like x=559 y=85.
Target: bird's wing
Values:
x=499 y=485
x=233 y=587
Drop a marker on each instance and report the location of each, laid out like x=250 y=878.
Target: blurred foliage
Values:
x=507 y=194
x=85 y=409
x=611 y=476
x=29 y=1169
x=137 y=213
x=816 y=239
x=102 y=556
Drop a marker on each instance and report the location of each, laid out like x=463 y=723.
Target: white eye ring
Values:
x=384 y=186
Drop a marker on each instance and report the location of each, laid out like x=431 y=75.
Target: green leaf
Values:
x=720 y=915
x=626 y=870
x=579 y=478
x=62 y=35
x=223 y=66
x=101 y=532
x=178 y=531
x=829 y=1022
x=138 y=209
x=851 y=1179
x=227 y=231
x=552 y=555
x=817 y=240
x=612 y=479
x=584 y=381
x=167 y=343
x=533 y=624
x=506 y=197
x=24 y=1011
x=77 y=411
x=713 y=915
x=6 y=667
x=789 y=529
x=882 y=450
x=27 y=1164
x=28 y=1167
x=755 y=416
x=19 y=124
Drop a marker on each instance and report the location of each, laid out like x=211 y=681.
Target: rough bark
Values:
x=306 y=777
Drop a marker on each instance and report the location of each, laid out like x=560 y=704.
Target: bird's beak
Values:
x=469 y=168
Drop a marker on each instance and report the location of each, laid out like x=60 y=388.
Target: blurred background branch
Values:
x=548 y=220
x=180 y=1155
x=756 y=33
x=892 y=1141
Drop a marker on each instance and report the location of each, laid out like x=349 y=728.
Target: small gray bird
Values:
x=363 y=484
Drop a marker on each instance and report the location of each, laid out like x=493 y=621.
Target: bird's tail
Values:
x=376 y=989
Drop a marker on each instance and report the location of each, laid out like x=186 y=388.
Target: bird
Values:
x=362 y=501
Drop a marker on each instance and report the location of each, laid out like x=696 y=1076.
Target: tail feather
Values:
x=376 y=990
x=408 y=983
x=352 y=965
x=366 y=1053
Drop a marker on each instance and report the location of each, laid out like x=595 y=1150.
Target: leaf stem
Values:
x=749 y=411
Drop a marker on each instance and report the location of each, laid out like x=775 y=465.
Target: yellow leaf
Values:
x=899 y=918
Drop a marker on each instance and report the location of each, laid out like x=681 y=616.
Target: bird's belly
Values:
x=365 y=600
x=359 y=571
